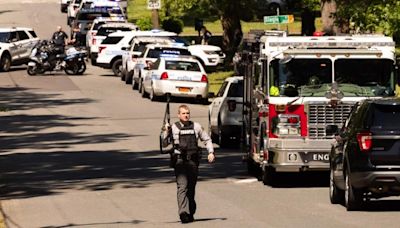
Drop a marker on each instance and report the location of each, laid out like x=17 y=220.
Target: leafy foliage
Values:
x=371 y=15
x=144 y=23
x=172 y=24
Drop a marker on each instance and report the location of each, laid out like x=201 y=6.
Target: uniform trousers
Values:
x=186 y=172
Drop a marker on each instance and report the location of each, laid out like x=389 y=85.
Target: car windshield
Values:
x=365 y=77
x=355 y=77
x=182 y=65
x=4 y=37
x=305 y=77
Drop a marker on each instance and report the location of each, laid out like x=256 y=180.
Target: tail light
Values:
x=101 y=48
x=204 y=78
x=364 y=140
x=231 y=105
x=93 y=41
x=286 y=125
x=164 y=76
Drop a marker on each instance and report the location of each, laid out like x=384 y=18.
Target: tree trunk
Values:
x=328 y=10
x=232 y=33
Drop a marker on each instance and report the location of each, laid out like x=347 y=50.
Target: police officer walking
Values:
x=186 y=158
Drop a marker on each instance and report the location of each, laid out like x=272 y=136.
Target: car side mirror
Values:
x=125 y=48
x=211 y=95
x=147 y=68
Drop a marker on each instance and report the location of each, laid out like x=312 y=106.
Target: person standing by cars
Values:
x=206 y=35
x=186 y=158
x=60 y=39
x=76 y=39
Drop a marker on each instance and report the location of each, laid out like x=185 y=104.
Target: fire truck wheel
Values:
x=268 y=175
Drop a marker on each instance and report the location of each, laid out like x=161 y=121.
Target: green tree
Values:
x=370 y=15
x=230 y=12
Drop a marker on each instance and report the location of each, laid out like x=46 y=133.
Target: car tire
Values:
x=353 y=197
x=268 y=175
x=128 y=77
x=141 y=89
x=134 y=84
x=123 y=76
x=117 y=67
x=5 y=62
x=336 y=195
x=152 y=96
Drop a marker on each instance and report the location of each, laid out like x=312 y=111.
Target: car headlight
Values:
x=286 y=125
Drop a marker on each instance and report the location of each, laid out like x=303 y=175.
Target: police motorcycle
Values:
x=45 y=56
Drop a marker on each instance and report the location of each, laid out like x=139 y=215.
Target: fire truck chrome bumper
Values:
x=299 y=154
x=287 y=167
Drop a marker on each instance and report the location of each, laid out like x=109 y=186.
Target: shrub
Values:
x=144 y=23
x=172 y=24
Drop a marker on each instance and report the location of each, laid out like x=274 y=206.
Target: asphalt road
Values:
x=82 y=151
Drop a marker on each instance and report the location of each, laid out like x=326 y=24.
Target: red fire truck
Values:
x=298 y=91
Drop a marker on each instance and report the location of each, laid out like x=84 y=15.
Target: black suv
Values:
x=365 y=158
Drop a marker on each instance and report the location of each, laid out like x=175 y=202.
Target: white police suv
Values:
x=225 y=111
x=16 y=44
x=117 y=44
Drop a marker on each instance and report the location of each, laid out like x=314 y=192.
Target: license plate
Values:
x=315 y=156
x=184 y=89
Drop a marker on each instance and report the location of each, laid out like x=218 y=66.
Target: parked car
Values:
x=225 y=111
x=63 y=5
x=16 y=44
x=117 y=44
x=102 y=32
x=138 y=45
x=178 y=76
x=365 y=157
x=149 y=56
x=72 y=10
x=210 y=56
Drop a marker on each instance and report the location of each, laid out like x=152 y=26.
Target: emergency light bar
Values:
x=334 y=44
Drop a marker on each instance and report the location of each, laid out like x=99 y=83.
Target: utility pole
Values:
x=154 y=6
x=155 y=19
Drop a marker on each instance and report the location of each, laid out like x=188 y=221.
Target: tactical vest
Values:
x=187 y=139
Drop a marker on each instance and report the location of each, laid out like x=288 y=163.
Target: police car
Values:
x=150 y=55
x=179 y=76
x=63 y=5
x=16 y=44
x=138 y=45
x=117 y=44
x=225 y=111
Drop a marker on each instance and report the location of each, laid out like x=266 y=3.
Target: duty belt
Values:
x=186 y=157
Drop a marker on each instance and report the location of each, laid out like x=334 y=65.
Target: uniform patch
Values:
x=187 y=132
